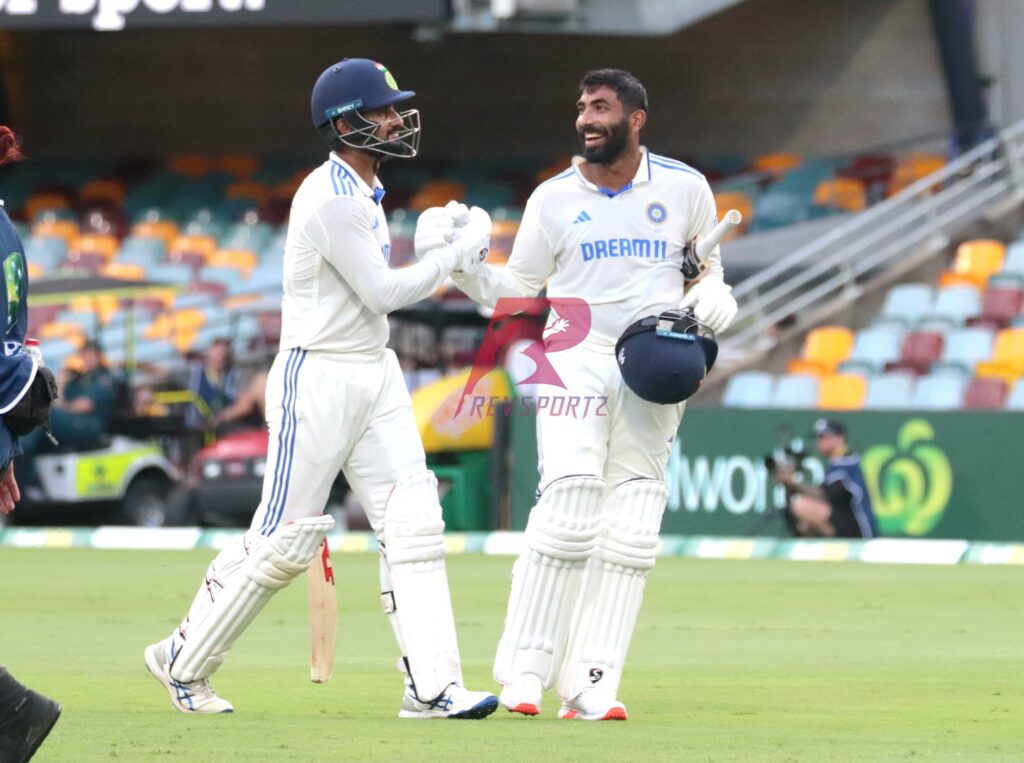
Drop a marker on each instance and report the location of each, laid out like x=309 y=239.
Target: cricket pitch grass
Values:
x=731 y=661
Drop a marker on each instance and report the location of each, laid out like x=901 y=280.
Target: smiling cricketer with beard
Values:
x=609 y=232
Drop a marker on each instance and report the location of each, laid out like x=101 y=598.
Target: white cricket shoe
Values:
x=523 y=695
x=192 y=697
x=454 y=702
x=593 y=705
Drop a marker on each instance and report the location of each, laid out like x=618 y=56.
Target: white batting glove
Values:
x=712 y=302
x=434 y=229
x=458 y=211
x=473 y=241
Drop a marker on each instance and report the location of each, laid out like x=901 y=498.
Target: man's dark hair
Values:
x=627 y=87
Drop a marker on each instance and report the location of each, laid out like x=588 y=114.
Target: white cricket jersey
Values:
x=338 y=287
x=621 y=252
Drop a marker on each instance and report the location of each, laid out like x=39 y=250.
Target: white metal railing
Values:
x=830 y=268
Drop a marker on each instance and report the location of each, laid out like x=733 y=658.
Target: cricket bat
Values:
x=323 y=616
x=695 y=255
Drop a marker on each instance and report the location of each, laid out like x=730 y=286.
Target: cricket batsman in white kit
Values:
x=610 y=230
x=336 y=400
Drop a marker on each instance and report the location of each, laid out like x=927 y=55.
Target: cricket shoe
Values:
x=26 y=718
x=593 y=705
x=523 y=695
x=192 y=697
x=453 y=702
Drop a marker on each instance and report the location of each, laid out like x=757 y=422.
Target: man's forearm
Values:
x=813 y=491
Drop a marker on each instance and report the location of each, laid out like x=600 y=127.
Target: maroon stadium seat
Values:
x=920 y=349
x=986 y=394
x=999 y=306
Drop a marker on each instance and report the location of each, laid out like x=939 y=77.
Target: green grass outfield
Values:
x=744 y=660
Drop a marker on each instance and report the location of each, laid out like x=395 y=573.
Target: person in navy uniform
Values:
x=26 y=717
x=841 y=506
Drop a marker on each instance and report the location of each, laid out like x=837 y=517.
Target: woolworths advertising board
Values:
x=934 y=475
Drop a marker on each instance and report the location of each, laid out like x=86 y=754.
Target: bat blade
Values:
x=323 y=616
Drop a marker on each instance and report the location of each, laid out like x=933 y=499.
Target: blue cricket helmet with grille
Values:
x=664 y=358
x=354 y=86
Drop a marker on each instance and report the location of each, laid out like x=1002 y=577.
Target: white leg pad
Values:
x=560 y=536
x=271 y=564
x=613 y=588
x=414 y=586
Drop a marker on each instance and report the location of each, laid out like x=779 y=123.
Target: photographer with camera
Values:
x=838 y=508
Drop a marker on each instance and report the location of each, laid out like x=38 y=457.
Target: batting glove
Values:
x=473 y=241
x=458 y=211
x=434 y=229
x=712 y=302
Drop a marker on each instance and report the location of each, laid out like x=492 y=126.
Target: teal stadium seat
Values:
x=908 y=303
x=146 y=252
x=778 y=208
x=1015 y=402
x=749 y=389
x=939 y=392
x=1014 y=262
x=874 y=347
x=954 y=305
x=170 y=273
x=965 y=347
x=46 y=251
x=887 y=392
x=796 y=391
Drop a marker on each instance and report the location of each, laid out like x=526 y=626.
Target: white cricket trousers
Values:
x=335 y=412
x=611 y=432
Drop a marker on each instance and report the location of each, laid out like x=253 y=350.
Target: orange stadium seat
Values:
x=841 y=193
x=65 y=229
x=35 y=270
x=824 y=349
x=104 y=305
x=742 y=203
x=248 y=189
x=192 y=165
x=914 y=166
x=102 y=244
x=239 y=165
x=70 y=332
x=241 y=260
x=976 y=261
x=1007 y=360
x=124 y=271
x=842 y=392
x=192 y=250
x=560 y=164
x=38 y=203
x=162 y=229
x=776 y=163
x=437 y=193
x=110 y=191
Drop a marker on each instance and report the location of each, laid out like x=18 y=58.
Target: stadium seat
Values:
x=46 y=251
x=192 y=250
x=111 y=192
x=146 y=252
x=38 y=203
x=986 y=394
x=874 y=347
x=796 y=391
x=726 y=200
x=124 y=271
x=1014 y=263
x=966 y=347
x=1007 y=360
x=778 y=208
x=59 y=227
x=843 y=392
x=824 y=349
x=170 y=273
x=238 y=165
x=248 y=189
x=34 y=270
x=920 y=349
x=242 y=260
x=190 y=165
x=908 y=302
x=938 y=392
x=92 y=247
x=846 y=194
x=913 y=167
x=975 y=262
x=873 y=170
x=954 y=305
x=165 y=230
x=1001 y=303
x=775 y=163
x=70 y=332
x=749 y=389
x=891 y=391
x=103 y=305
x=437 y=193
x=1015 y=402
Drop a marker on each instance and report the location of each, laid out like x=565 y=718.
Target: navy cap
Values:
x=828 y=426
x=354 y=84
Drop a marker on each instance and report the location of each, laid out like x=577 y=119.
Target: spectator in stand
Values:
x=215 y=381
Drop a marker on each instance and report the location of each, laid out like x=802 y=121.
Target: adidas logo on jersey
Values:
x=581 y=218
